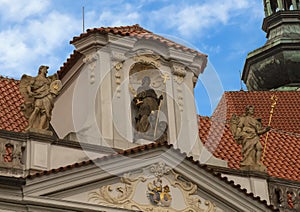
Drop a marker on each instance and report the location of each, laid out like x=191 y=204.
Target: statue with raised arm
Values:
x=246 y=131
x=145 y=103
x=39 y=93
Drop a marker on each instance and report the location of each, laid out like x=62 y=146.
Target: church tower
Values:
x=275 y=66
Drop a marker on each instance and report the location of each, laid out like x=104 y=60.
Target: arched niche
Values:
x=148 y=100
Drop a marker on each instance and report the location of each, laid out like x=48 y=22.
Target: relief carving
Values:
x=11 y=154
x=117 y=195
x=148 y=59
x=179 y=71
x=118 y=67
x=118 y=56
x=160 y=182
x=287 y=198
x=91 y=62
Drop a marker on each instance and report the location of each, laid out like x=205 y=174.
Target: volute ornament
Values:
x=160 y=181
x=148 y=59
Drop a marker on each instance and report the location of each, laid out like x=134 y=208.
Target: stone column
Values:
x=280 y=5
x=268 y=8
x=295 y=6
x=265 y=9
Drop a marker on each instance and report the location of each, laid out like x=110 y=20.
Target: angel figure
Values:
x=246 y=131
x=39 y=93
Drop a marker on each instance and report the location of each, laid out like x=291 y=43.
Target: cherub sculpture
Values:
x=39 y=93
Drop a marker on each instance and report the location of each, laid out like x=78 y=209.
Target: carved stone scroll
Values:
x=161 y=183
x=148 y=59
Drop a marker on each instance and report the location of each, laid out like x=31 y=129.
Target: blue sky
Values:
x=36 y=32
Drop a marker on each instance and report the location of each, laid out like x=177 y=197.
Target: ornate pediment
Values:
x=157 y=188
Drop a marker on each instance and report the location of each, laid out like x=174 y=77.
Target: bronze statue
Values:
x=144 y=105
x=246 y=131
x=39 y=93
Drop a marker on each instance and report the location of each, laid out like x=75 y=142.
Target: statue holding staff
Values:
x=246 y=131
x=146 y=106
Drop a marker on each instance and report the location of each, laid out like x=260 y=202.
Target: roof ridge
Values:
x=8 y=78
x=131 y=27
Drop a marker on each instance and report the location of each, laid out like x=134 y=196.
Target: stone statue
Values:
x=144 y=105
x=39 y=93
x=246 y=131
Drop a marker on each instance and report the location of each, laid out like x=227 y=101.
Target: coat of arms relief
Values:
x=157 y=188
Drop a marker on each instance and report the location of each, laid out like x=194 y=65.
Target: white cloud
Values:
x=191 y=19
x=109 y=18
x=17 y=11
x=34 y=32
x=34 y=42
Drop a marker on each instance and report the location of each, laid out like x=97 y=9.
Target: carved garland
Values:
x=118 y=59
x=118 y=66
x=121 y=194
x=178 y=70
x=91 y=61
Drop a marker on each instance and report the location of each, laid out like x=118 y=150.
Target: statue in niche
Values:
x=161 y=133
x=146 y=105
x=246 y=131
x=39 y=93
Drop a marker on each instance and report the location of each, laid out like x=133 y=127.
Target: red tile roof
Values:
x=282 y=155
x=11 y=117
x=286 y=116
x=74 y=57
x=137 y=32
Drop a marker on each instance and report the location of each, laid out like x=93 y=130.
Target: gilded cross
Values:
x=166 y=77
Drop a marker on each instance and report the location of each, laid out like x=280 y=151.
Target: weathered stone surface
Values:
x=246 y=131
x=39 y=93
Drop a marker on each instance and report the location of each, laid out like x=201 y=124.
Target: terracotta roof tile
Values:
x=137 y=32
x=283 y=151
x=11 y=117
x=286 y=116
x=74 y=57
